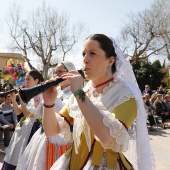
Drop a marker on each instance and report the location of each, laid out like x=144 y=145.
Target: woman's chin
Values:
x=88 y=77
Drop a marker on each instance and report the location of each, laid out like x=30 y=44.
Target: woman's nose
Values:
x=86 y=58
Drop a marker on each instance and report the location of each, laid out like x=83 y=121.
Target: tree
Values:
x=163 y=8
x=147 y=33
x=45 y=34
x=149 y=73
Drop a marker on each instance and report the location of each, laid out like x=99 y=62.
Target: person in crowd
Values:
x=1 y=99
x=101 y=113
x=27 y=125
x=7 y=88
x=167 y=102
x=152 y=99
x=40 y=153
x=147 y=90
x=168 y=92
x=165 y=90
x=161 y=109
x=8 y=84
x=161 y=90
x=149 y=111
x=1 y=87
x=8 y=120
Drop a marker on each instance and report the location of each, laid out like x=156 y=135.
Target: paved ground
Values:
x=160 y=143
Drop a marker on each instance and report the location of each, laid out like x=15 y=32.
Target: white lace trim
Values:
x=121 y=101
x=117 y=131
x=80 y=125
x=64 y=129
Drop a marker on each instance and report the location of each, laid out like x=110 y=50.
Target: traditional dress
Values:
x=22 y=135
x=118 y=107
x=40 y=153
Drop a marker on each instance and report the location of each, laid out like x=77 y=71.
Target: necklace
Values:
x=105 y=82
x=95 y=93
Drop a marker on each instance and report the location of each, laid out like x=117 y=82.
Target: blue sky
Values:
x=100 y=16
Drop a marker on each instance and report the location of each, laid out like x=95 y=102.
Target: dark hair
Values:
x=5 y=97
x=35 y=74
x=106 y=45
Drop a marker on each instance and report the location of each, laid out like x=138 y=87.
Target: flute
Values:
x=28 y=93
x=3 y=94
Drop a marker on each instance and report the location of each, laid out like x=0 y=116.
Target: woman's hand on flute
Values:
x=50 y=94
x=76 y=80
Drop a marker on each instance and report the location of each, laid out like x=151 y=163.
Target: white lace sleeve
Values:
x=57 y=139
x=65 y=132
x=117 y=131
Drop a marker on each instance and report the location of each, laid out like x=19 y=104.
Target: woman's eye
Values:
x=92 y=53
x=83 y=54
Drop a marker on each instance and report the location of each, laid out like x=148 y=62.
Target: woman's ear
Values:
x=36 y=81
x=111 y=60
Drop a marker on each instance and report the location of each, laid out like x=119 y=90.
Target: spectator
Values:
x=167 y=102
x=147 y=90
x=8 y=120
x=1 y=100
x=153 y=98
x=161 y=90
x=161 y=109
x=165 y=90
x=8 y=84
x=1 y=87
x=168 y=92
x=7 y=88
x=149 y=110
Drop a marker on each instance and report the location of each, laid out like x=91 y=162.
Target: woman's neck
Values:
x=100 y=86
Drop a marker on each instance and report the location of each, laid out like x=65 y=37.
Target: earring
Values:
x=109 y=74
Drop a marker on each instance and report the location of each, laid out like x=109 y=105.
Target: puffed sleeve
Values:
x=118 y=121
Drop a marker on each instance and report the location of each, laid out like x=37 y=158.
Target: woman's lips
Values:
x=86 y=69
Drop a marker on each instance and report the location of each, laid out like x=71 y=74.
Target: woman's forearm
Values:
x=94 y=120
x=24 y=110
x=50 y=123
x=17 y=109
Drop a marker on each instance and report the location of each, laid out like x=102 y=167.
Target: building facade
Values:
x=4 y=57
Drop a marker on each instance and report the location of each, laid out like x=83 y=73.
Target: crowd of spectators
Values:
x=6 y=86
x=8 y=118
x=157 y=105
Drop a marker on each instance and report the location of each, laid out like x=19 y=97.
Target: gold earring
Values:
x=109 y=74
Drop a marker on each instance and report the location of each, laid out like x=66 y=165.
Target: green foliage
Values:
x=149 y=73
